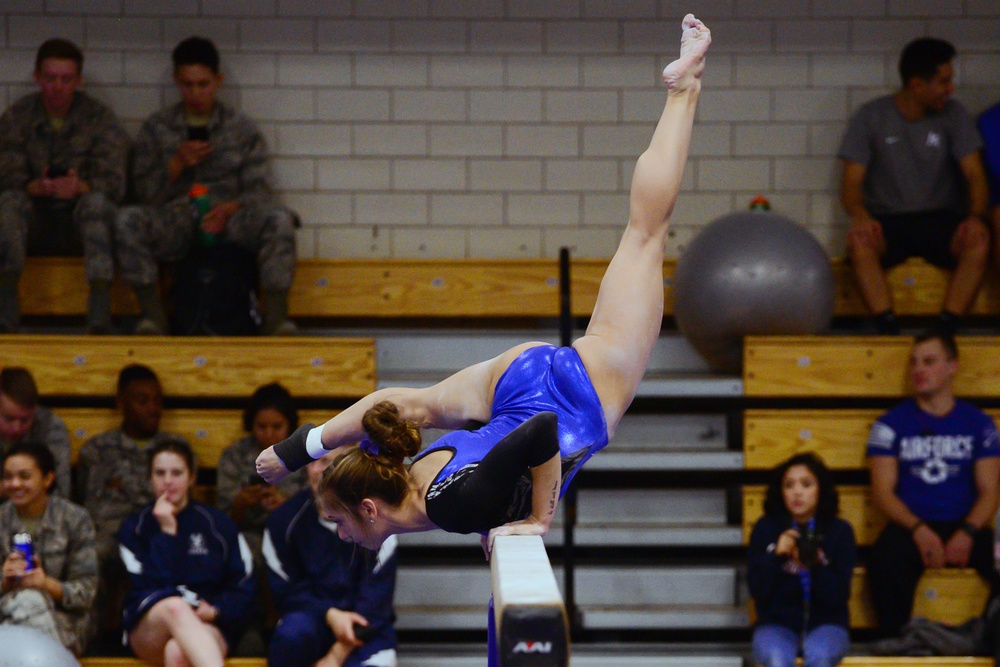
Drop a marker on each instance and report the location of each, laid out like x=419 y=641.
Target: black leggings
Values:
x=895 y=567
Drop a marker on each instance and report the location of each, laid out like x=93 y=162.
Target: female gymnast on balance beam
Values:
x=546 y=409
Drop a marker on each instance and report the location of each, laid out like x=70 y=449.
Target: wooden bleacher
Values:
x=838 y=436
x=196 y=367
x=856 y=366
x=337 y=288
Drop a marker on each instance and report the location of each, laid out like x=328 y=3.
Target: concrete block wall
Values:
x=509 y=128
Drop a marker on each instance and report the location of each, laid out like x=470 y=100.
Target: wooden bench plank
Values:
x=209 y=431
x=197 y=367
x=468 y=287
x=837 y=436
x=425 y=288
x=856 y=366
x=950 y=596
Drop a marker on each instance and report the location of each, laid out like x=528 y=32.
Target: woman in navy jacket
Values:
x=801 y=560
x=323 y=586
x=191 y=571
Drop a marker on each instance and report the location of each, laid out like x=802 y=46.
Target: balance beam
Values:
x=531 y=624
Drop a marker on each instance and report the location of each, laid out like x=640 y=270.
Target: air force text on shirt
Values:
x=922 y=447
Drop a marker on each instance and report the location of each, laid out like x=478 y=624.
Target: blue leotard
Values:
x=541 y=379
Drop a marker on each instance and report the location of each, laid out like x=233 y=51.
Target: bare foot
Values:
x=681 y=74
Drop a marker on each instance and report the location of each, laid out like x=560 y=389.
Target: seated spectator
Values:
x=112 y=477
x=323 y=587
x=62 y=175
x=801 y=561
x=935 y=474
x=23 y=419
x=269 y=418
x=989 y=128
x=54 y=593
x=190 y=569
x=200 y=140
x=913 y=185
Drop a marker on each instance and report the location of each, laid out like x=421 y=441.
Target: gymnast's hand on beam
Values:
x=529 y=526
x=270 y=467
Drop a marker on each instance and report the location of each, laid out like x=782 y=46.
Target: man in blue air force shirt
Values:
x=935 y=473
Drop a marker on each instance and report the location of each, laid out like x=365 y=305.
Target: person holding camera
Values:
x=935 y=474
x=801 y=558
x=191 y=571
x=62 y=176
x=200 y=140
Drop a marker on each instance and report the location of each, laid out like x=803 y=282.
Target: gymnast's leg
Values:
x=629 y=309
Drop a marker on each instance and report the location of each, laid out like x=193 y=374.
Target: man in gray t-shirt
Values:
x=914 y=185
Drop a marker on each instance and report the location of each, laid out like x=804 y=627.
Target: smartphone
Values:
x=253 y=479
x=197 y=133
x=57 y=172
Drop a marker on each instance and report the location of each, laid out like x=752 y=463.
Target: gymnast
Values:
x=546 y=409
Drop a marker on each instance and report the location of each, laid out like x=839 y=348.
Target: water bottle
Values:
x=201 y=204
x=22 y=543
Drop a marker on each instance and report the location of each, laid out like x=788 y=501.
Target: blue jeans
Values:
x=778 y=646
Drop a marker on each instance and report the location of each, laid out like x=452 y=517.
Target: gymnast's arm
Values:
x=451 y=403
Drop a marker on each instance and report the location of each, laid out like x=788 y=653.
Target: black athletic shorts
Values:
x=925 y=234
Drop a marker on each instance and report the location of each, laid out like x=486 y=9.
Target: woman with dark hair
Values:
x=54 y=591
x=801 y=561
x=191 y=571
x=269 y=417
x=546 y=410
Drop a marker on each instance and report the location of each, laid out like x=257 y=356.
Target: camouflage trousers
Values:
x=31 y=608
x=93 y=220
x=148 y=235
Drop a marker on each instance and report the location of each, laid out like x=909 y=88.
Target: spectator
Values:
x=112 y=477
x=935 y=474
x=269 y=418
x=989 y=127
x=322 y=588
x=62 y=175
x=56 y=594
x=191 y=571
x=201 y=140
x=913 y=186
x=22 y=418
x=801 y=561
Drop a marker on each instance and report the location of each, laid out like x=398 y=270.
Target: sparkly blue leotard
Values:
x=541 y=379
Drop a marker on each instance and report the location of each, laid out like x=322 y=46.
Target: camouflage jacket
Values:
x=236 y=464
x=112 y=477
x=64 y=544
x=237 y=168
x=50 y=430
x=92 y=141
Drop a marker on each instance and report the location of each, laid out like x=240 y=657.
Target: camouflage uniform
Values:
x=91 y=141
x=49 y=429
x=163 y=229
x=64 y=544
x=236 y=464
x=112 y=482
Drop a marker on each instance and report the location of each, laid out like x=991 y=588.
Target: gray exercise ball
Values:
x=27 y=647
x=748 y=273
